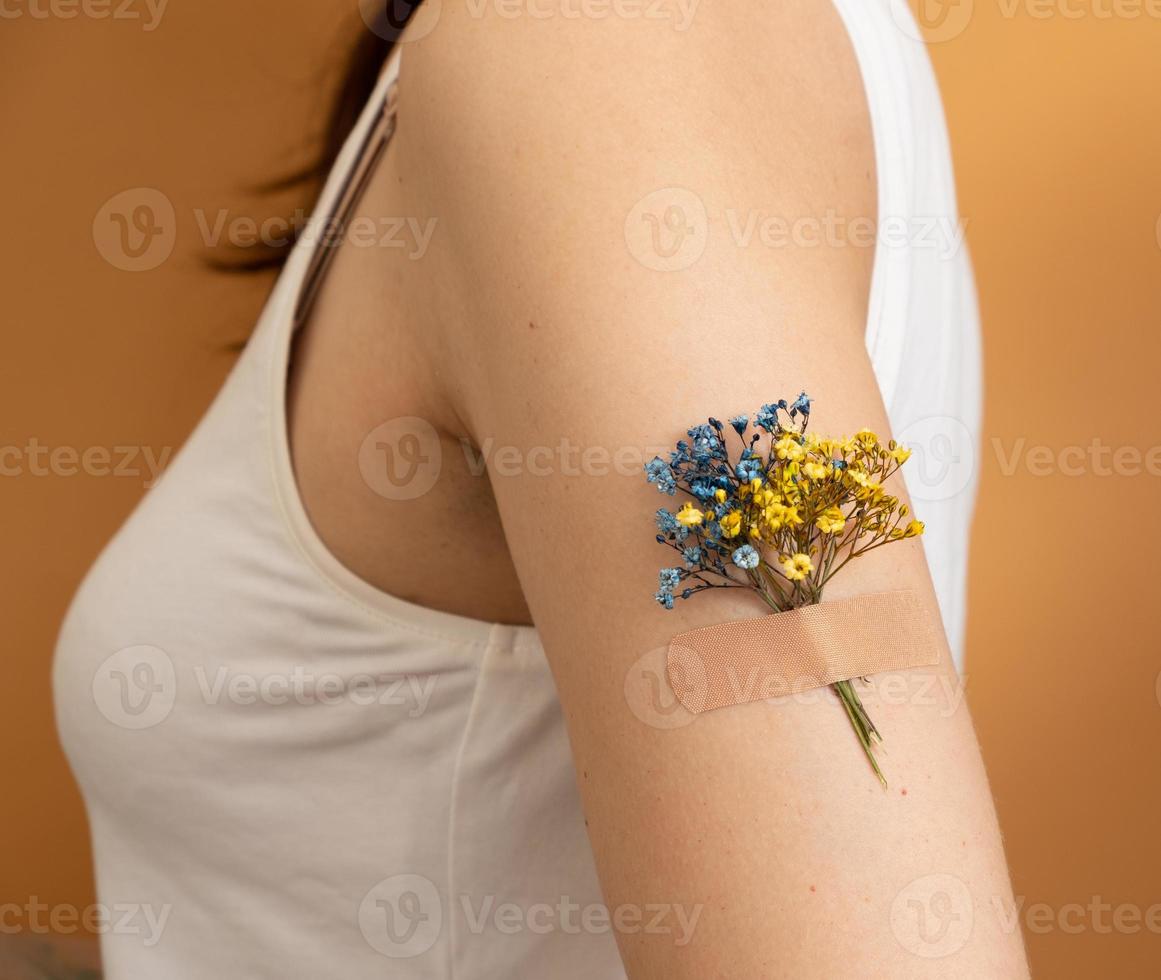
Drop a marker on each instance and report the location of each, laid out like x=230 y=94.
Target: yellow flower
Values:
x=765 y=497
x=780 y=516
x=797 y=567
x=720 y=495
x=814 y=471
x=689 y=516
x=914 y=529
x=864 y=480
x=831 y=521
x=750 y=488
x=755 y=532
x=789 y=448
x=866 y=438
x=732 y=524
x=900 y=455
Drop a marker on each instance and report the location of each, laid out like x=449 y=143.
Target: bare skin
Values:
x=529 y=320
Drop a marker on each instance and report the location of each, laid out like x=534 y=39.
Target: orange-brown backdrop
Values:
x=1053 y=107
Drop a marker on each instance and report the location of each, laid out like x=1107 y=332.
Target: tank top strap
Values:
x=345 y=183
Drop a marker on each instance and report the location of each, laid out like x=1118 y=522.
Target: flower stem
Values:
x=860 y=721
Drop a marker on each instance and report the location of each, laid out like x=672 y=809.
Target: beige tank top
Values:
x=290 y=773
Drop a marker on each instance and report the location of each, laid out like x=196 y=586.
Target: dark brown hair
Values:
x=382 y=24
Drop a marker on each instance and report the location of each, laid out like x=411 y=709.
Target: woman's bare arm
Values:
x=535 y=142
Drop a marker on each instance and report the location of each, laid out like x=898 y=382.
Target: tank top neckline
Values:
x=384 y=606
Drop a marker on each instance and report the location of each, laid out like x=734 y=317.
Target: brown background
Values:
x=1054 y=122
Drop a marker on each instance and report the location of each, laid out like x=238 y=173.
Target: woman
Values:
x=331 y=692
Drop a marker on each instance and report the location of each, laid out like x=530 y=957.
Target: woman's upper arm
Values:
x=569 y=164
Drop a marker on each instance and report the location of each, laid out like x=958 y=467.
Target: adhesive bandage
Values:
x=801 y=649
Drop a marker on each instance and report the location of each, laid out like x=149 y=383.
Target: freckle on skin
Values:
x=812 y=888
x=904 y=791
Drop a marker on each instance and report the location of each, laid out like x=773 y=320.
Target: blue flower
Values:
x=704 y=432
x=746 y=557
x=703 y=489
x=666 y=521
x=706 y=445
x=801 y=405
x=767 y=416
x=664 y=598
x=838 y=464
x=749 y=469
x=740 y=422
x=692 y=556
x=658 y=471
x=670 y=579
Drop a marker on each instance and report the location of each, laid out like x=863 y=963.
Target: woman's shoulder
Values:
x=565 y=145
x=630 y=64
